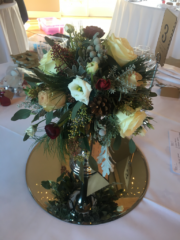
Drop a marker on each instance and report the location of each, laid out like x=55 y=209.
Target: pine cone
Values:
x=28 y=59
x=100 y=106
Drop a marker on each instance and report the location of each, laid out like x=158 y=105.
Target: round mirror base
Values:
x=122 y=190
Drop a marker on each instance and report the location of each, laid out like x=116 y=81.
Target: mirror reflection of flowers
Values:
x=94 y=90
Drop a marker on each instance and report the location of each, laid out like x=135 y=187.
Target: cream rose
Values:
x=129 y=123
x=135 y=78
x=51 y=101
x=47 y=65
x=120 y=50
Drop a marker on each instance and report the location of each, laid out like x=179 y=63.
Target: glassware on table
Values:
x=137 y=51
x=151 y=62
x=42 y=49
x=145 y=50
x=141 y=50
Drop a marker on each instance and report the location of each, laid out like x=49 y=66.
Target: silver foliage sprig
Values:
x=119 y=81
x=34 y=107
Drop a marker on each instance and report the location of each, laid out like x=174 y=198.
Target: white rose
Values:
x=92 y=67
x=80 y=90
x=129 y=123
x=31 y=130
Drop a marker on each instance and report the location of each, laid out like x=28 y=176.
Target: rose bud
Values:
x=5 y=101
x=102 y=84
x=52 y=130
x=90 y=31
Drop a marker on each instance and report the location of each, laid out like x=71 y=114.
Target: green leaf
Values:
x=33 y=80
x=80 y=52
x=87 y=42
x=46 y=184
x=132 y=146
x=26 y=136
x=112 y=63
x=57 y=114
x=36 y=117
x=120 y=96
x=82 y=130
x=40 y=75
x=59 y=179
x=62 y=123
x=117 y=142
x=150 y=118
x=32 y=84
x=85 y=144
x=153 y=94
x=42 y=113
x=21 y=114
x=50 y=41
x=76 y=108
x=49 y=117
x=77 y=55
x=81 y=172
x=64 y=117
x=93 y=164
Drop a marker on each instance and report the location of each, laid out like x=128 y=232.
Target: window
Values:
x=87 y=8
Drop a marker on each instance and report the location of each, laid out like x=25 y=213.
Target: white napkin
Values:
x=170 y=70
x=169 y=73
x=167 y=78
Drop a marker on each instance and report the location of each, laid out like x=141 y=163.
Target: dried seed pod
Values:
x=98 y=47
x=92 y=54
x=90 y=48
x=97 y=41
x=96 y=59
x=100 y=56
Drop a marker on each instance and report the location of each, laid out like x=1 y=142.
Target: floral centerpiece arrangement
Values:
x=92 y=91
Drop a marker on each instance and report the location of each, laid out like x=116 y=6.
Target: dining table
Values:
x=156 y=217
x=140 y=22
x=13 y=38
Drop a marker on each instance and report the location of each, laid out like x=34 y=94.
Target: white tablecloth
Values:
x=13 y=38
x=157 y=217
x=140 y=23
